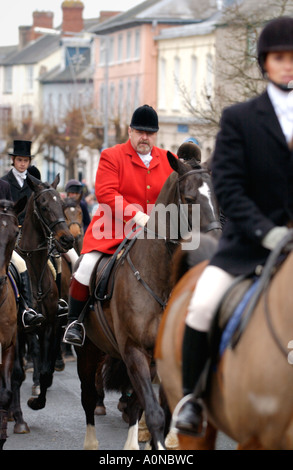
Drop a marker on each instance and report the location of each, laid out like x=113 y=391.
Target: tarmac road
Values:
x=61 y=424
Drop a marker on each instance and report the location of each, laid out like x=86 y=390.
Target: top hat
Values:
x=145 y=118
x=21 y=148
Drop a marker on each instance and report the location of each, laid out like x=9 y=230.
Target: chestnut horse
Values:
x=249 y=394
x=8 y=308
x=128 y=327
x=44 y=230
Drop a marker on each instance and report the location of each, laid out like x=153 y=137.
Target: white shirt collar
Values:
x=282 y=102
x=145 y=158
x=20 y=177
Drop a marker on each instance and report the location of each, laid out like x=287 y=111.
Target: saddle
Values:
x=13 y=276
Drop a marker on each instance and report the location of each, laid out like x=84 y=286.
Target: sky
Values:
x=20 y=13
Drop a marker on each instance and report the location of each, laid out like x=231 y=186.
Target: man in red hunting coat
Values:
x=128 y=181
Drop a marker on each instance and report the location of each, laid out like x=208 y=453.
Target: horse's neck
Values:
x=32 y=235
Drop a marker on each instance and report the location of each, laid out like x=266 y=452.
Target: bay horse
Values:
x=249 y=393
x=44 y=230
x=73 y=217
x=8 y=308
x=128 y=328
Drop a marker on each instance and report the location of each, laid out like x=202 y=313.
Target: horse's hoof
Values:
x=100 y=410
x=21 y=428
x=59 y=365
x=36 y=390
x=36 y=404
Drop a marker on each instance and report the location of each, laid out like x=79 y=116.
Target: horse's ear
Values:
x=20 y=205
x=56 y=181
x=176 y=164
x=33 y=182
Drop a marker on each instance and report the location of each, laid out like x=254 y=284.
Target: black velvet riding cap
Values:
x=145 y=118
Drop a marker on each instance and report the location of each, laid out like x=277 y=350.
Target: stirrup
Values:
x=33 y=312
x=83 y=333
x=176 y=411
x=62 y=305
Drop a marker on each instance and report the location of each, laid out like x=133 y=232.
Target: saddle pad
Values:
x=236 y=317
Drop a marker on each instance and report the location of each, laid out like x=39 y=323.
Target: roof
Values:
x=33 y=52
x=160 y=11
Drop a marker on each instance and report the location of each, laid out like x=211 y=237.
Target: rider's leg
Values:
x=29 y=317
x=195 y=351
x=62 y=304
x=78 y=296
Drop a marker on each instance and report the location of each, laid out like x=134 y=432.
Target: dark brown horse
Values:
x=44 y=230
x=128 y=328
x=249 y=392
x=8 y=308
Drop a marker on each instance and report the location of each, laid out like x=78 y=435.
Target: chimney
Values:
x=72 y=16
x=41 y=19
x=105 y=15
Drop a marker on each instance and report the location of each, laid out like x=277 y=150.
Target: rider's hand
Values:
x=274 y=236
x=141 y=218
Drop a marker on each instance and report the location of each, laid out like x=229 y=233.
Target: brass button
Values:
x=148 y=186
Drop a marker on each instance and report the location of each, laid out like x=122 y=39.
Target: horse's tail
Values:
x=115 y=375
x=183 y=260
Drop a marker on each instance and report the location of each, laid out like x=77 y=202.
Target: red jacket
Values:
x=124 y=185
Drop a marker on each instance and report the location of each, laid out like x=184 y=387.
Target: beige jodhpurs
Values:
x=86 y=266
x=206 y=296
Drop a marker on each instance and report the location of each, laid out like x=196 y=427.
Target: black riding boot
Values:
x=74 y=333
x=194 y=357
x=29 y=317
x=62 y=304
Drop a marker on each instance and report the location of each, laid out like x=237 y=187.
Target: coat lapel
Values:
x=269 y=118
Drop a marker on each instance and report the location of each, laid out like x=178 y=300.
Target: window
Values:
x=136 y=93
x=137 y=44
x=176 y=96
x=112 y=100
x=128 y=99
x=111 y=57
x=120 y=47
x=128 y=45
x=193 y=80
x=209 y=76
x=162 y=84
x=120 y=98
x=8 y=79
x=29 y=74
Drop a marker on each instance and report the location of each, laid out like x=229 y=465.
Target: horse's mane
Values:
x=183 y=260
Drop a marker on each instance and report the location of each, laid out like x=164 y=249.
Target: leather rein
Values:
x=214 y=225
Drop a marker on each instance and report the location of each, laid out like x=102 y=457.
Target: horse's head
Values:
x=46 y=206
x=195 y=187
x=9 y=229
x=74 y=219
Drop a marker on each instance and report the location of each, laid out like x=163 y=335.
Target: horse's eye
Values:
x=189 y=199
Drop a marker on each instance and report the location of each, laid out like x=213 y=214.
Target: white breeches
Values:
x=19 y=262
x=86 y=266
x=208 y=292
x=72 y=256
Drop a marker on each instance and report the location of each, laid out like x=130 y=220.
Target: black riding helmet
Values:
x=277 y=35
x=73 y=186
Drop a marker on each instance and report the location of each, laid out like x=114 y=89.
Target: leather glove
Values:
x=274 y=236
x=141 y=218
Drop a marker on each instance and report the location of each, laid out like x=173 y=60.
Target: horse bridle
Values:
x=48 y=226
x=215 y=224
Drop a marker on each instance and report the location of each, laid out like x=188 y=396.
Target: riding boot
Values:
x=78 y=296
x=62 y=309
x=194 y=357
x=29 y=317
